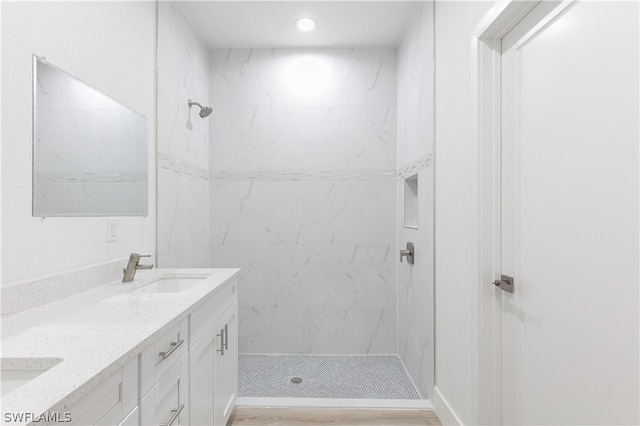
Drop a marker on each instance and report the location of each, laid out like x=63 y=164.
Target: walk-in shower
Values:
x=300 y=181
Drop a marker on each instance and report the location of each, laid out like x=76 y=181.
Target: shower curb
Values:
x=417 y=404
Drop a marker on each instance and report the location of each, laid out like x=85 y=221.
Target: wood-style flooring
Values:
x=301 y=416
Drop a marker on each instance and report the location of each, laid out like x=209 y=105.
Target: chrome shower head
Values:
x=204 y=111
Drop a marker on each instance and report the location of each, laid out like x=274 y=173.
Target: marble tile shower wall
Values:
x=415 y=157
x=303 y=196
x=183 y=142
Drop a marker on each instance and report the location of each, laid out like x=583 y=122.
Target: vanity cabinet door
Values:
x=225 y=366
x=111 y=401
x=167 y=403
x=201 y=356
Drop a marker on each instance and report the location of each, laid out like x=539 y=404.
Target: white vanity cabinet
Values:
x=213 y=359
x=112 y=402
x=189 y=375
x=167 y=348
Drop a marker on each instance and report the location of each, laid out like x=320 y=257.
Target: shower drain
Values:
x=296 y=380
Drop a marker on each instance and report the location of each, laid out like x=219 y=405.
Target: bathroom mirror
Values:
x=89 y=151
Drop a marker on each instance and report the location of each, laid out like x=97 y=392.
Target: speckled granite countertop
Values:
x=94 y=333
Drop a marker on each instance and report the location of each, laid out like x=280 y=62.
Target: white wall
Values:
x=183 y=142
x=455 y=268
x=109 y=45
x=303 y=195
x=415 y=149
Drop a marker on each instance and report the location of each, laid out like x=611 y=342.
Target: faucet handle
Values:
x=134 y=256
x=134 y=259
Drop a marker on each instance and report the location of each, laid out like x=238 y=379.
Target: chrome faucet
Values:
x=133 y=266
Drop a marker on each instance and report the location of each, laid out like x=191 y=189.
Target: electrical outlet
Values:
x=112 y=230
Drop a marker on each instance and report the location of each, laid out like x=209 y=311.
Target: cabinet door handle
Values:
x=221 y=350
x=174 y=416
x=226 y=337
x=174 y=346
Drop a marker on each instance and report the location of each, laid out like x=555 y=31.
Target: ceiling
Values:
x=226 y=24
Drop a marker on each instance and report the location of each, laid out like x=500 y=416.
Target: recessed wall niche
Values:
x=411 y=202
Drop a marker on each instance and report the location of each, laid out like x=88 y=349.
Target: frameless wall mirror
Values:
x=89 y=151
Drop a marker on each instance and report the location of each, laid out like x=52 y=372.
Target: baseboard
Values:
x=409 y=404
x=443 y=410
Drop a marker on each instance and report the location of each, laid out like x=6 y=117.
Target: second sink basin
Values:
x=15 y=372
x=168 y=285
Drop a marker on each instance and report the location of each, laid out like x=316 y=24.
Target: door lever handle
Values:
x=408 y=253
x=505 y=283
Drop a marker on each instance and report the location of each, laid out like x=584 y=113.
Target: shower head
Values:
x=204 y=111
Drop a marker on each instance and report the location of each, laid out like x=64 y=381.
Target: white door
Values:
x=570 y=215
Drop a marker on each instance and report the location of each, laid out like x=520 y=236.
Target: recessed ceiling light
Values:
x=306 y=24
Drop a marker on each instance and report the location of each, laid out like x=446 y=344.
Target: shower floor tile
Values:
x=324 y=376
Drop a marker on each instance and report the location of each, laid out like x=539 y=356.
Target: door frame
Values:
x=486 y=336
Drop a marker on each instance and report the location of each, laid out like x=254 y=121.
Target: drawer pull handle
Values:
x=174 y=346
x=226 y=337
x=221 y=350
x=174 y=416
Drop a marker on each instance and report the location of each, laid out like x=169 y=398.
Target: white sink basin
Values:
x=15 y=372
x=168 y=285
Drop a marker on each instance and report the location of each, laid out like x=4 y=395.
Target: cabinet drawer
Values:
x=168 y=399
x=111 y=400
x=157 y=359
x=204 y=317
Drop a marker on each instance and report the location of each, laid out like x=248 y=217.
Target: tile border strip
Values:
x=416 y=166
x=179 y=166
x=83 y=177
x=311 y=175
x=322 y=175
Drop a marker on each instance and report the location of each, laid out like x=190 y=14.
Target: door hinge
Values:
x=505 y=283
